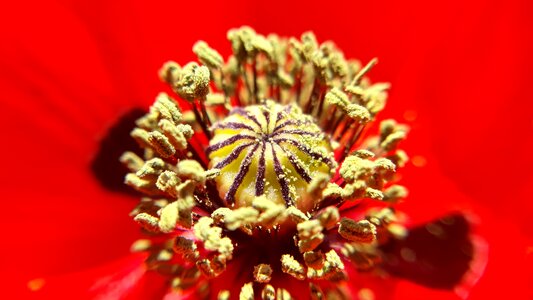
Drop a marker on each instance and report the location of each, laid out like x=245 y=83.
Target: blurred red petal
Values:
x=126 y=278
x=508 y=274
x=63 y=234
x=68 y=71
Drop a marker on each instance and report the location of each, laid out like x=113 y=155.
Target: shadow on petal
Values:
x=105 y=165
x=438 y=254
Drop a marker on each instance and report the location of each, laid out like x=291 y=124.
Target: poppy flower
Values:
x=72 y=82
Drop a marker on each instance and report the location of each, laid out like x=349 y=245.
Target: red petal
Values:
x=123 y=279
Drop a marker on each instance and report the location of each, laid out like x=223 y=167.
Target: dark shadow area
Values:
x=106 y=166
x=436 y=255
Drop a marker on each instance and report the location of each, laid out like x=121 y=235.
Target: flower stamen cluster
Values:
x=261 y=163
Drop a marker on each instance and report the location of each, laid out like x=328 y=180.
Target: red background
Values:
x=68 y=69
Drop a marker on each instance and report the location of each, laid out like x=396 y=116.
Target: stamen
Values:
x=268 y=293
x=363 y=71
x=187 y=248
x=362 y=231
x=286 y=113
x=262 y=273
x=314 y=259
x=207 y=55
x=169 y=72
x=283 y=294
x=140 y=245
x=223 y=295
x=292 y=267
x=131 y=161
x=247 y=292
x=316 y=292
x=332 y=269
x=310 y=235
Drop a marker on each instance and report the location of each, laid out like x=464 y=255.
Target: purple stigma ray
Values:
x=232 y=156
x=307 y=151
x=242 y=112
x=280 y=115
x=299 y=169
x=260 y=181
x=293 y=138
x=233 y=125
x=291 y=122
x=281 y=178
x=228 y=142
x=295 y=131
x=243 y=170
x=266 y=114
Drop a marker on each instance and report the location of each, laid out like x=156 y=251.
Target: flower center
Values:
x=272 y=150
x=263 y=207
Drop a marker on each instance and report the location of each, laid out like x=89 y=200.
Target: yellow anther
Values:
x=362 y=231
x=167 y=182
x=354 y=168
x=358 y=113
x=223 y=295
x=169 y=72
x=215 y=99
x=240 y=217
x=296 y=215
x=211 y=236
x=261 y=44
x=394 y=193
x=141 y=136
x=316 y=292
x=186 y=248
x=292 y=267
x=247 y=292
x=142 y=185
x=191 y=169
x=373 y=193
x=262 y=273
x=391 y=141
x=161 y=144
x=164 y=255
x=314 y=259
x=132 y=161
x=364 y=154
x=329 y=217
x=168 y=217
x=283 y=294
x=151 y=168
x=193 y=82
x=336 y=96
x=309 y=44
x=147 y=221
x=207 y=55
x=399 y=158
x=140 y=245
x=176 y=134
x=268 y=293
x=271 y=213
x=167 y=108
